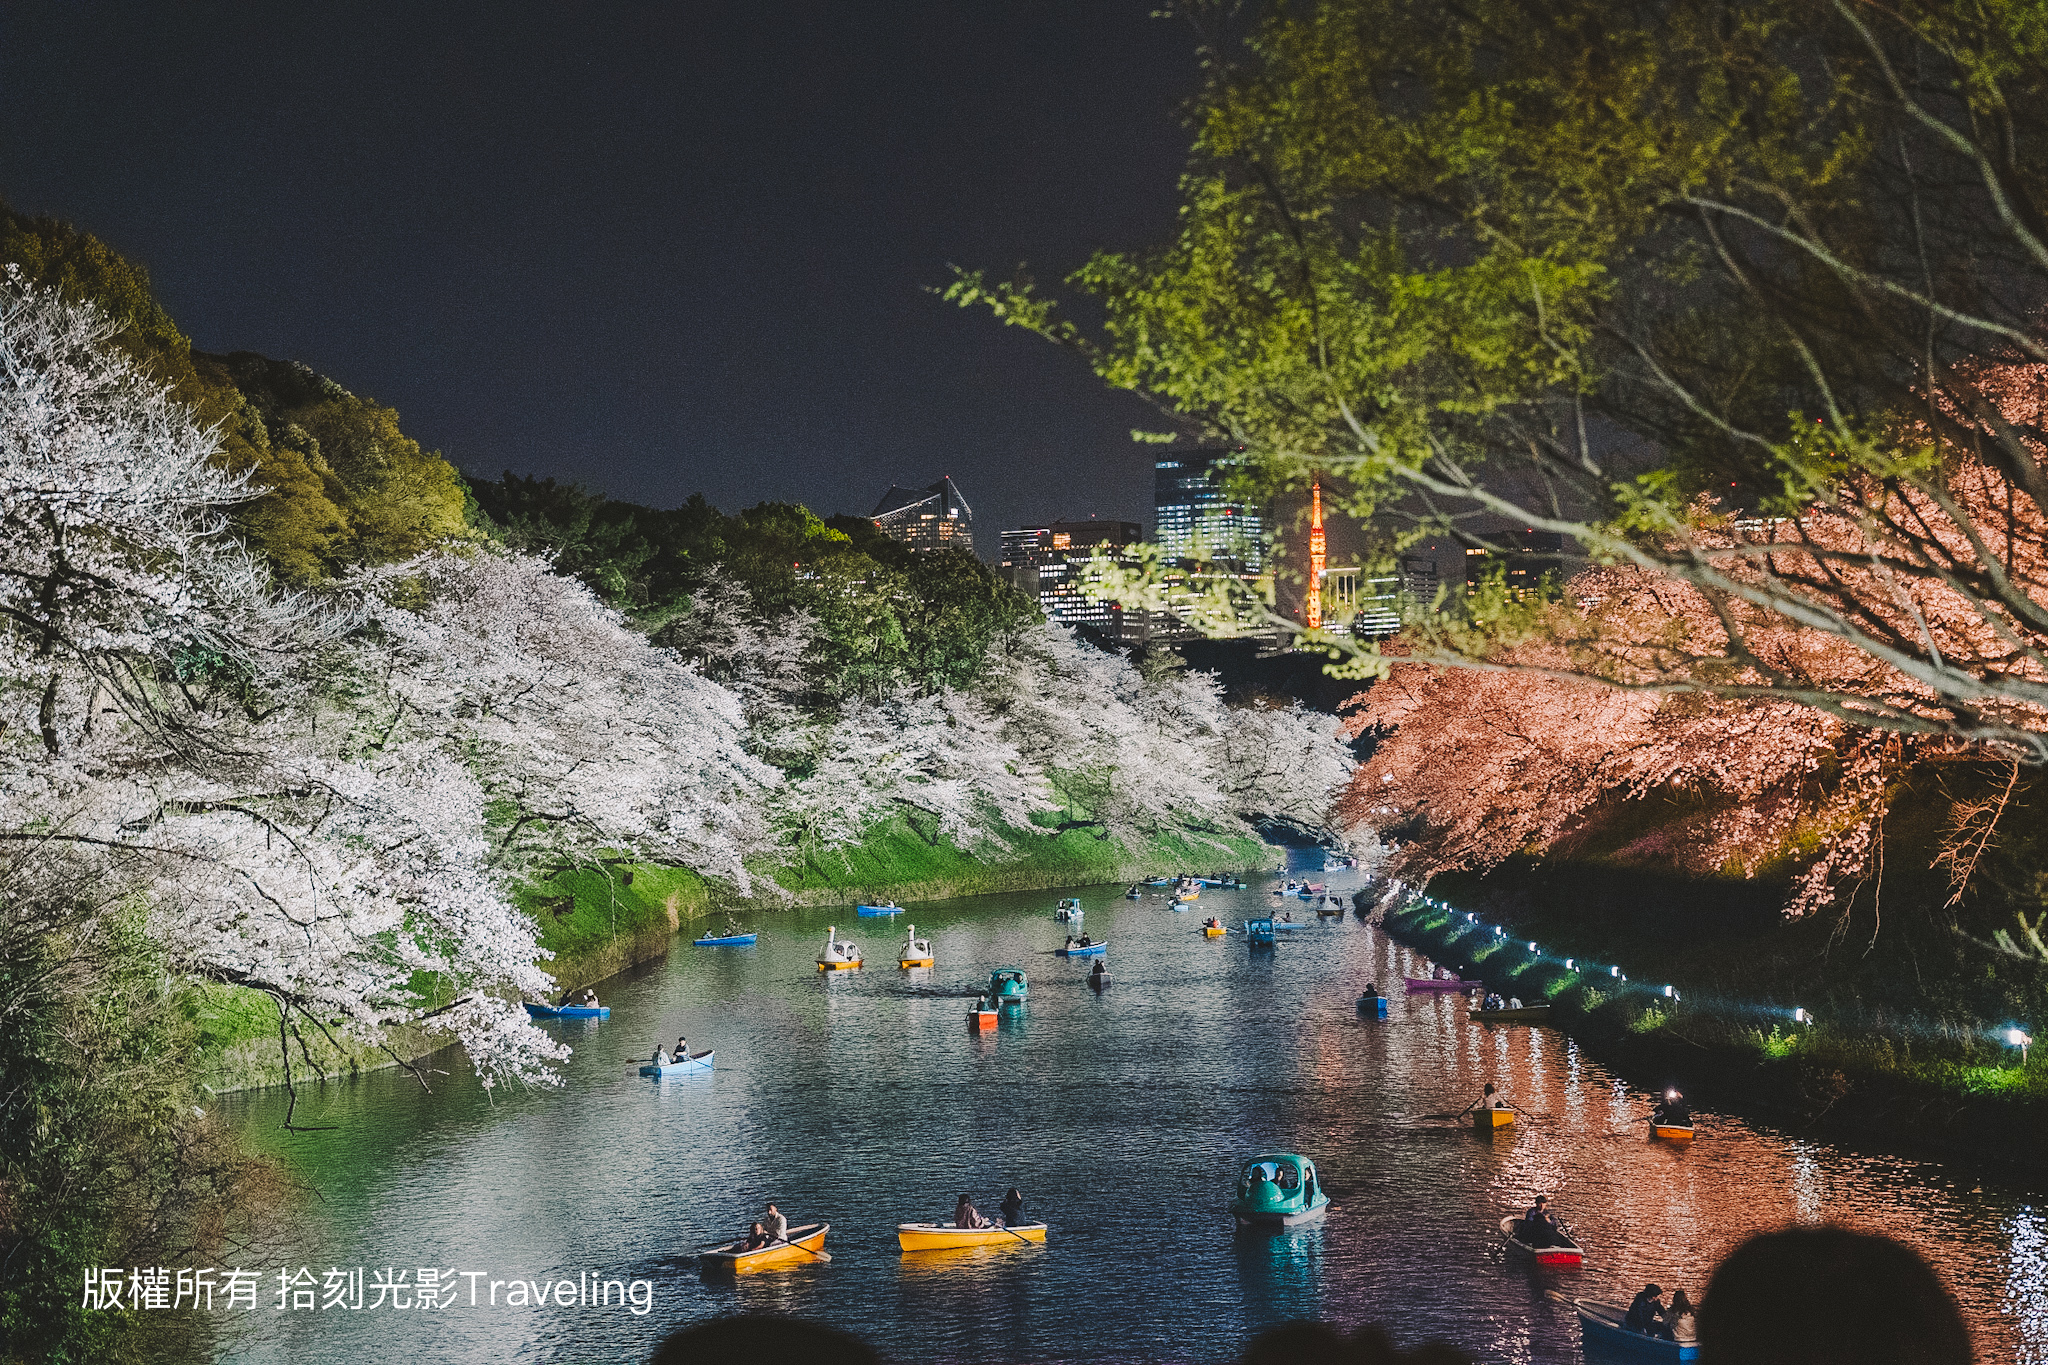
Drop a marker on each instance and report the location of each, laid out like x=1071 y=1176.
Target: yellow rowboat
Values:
x=1671 y=1132
x=1214 y=929
x=804 y=1247
x=1486 y=1120
x=945 y=1237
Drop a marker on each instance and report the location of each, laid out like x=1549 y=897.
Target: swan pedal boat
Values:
x=804 y=1247
x=836 y=958
x=1570 y=1253
x=946 y=1237
x=1528 y=1014
x=696 y=1061
x=569 y=1011
x=1601 y=1324
x=916 y=952
x=725 y=941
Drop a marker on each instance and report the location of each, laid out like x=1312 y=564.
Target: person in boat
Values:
x=1540 y=1226
x=660 y=1058
x=1492 y=1002
x=981 y=1004
x=682 y=1051
x=1100 y=976
x=1646 y=1314
x=1514 y=1002
x=1012 y=1208
x=1672 y=1111
x=1491 y=1098
x=1681 y=1307
x=1070 y=940
x=1087 y=942
x=1372 y=989
x=777 y=1226
x=965 y=1215
x=756 y=1238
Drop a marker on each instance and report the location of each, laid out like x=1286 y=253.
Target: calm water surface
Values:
x=864 y=1100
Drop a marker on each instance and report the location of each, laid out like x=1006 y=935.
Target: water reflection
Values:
x=863 y=1098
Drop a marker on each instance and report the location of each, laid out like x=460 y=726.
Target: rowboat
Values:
x=697 y=1061
x=804 y=1247
x=946 y=1237
x=1430 y=983
x=838 y=956
x=1081 y=949
x=981 y=1016
x=1673 y=1132
x=915 y=952
x=870 y=911
x=1600 y=1324
x=725 y=940
x=1159 y=881
x=1134 y=893
x=1008 y=986
x=1214 y=929
x=1373 y=1006
x=1486 y=1120
x=1568 y=1253
x=1191 y=894
x=1276 y=1191
x=1528 y=1014
x=568 y=1011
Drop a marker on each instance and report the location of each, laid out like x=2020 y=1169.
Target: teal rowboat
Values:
x=1278 y=1191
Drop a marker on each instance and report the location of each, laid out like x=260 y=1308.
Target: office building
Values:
x=933 y=518
x=1526 y=557
x=1418 y=577
x=1197 y=519
x=1352 y=604
x=1049 y=563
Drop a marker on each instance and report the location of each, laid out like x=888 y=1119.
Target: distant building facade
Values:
x=1418 y=577
x=1352 y=604
x=934 y=518
x=1195 y=517
x=1047 y=563
x=1525 y=556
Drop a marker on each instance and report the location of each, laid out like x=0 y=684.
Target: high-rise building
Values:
x=1196 y=518
x=926 y=518
x=1048 y=562
x=1353 y=604
x=1526 y=557
x=1418 y=577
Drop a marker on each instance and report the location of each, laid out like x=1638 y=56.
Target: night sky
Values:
x=656 y=249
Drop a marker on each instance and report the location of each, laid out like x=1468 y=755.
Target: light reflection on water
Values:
x=863 y=1099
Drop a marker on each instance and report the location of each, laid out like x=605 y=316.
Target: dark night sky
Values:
x=654 y=248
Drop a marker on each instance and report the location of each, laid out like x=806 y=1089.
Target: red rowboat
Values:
x=1568 y=1253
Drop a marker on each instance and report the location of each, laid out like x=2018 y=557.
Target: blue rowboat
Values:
x=870 y=911
x=1082 y=949
x=696 y=1061
x=568 y=1011
x=1373 y=1006
x=1600 y=1325
x=725 y=941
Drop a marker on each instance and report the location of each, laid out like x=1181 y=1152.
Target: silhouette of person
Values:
x=1829 y=1296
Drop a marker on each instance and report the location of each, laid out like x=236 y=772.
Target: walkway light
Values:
x=1567 y=964
x=2019 y=1038
x=1614 y=971
x=1532 y=945
x=1670 y=994
x=1801 y=1017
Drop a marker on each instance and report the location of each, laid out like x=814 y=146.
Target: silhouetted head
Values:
x=1543 y=1199
x=1489 y=1088
x=761 y=1336
x=1311 y=1343
x=1653 y=1289
x=1884 y=1305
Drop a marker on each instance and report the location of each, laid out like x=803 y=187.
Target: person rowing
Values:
x=777 y=1225
x=1490 y=1098
x=1100 y=976
x=1672 y=1111
x=1540 y=1227
x=1012 y=1209
x=1646 y=1314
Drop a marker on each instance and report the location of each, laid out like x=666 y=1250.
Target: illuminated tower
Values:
x=1318 y=556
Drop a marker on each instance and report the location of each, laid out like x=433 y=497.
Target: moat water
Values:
x=864 y=1100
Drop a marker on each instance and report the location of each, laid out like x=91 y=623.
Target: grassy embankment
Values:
x=1908 y=1041
x=599 y=921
